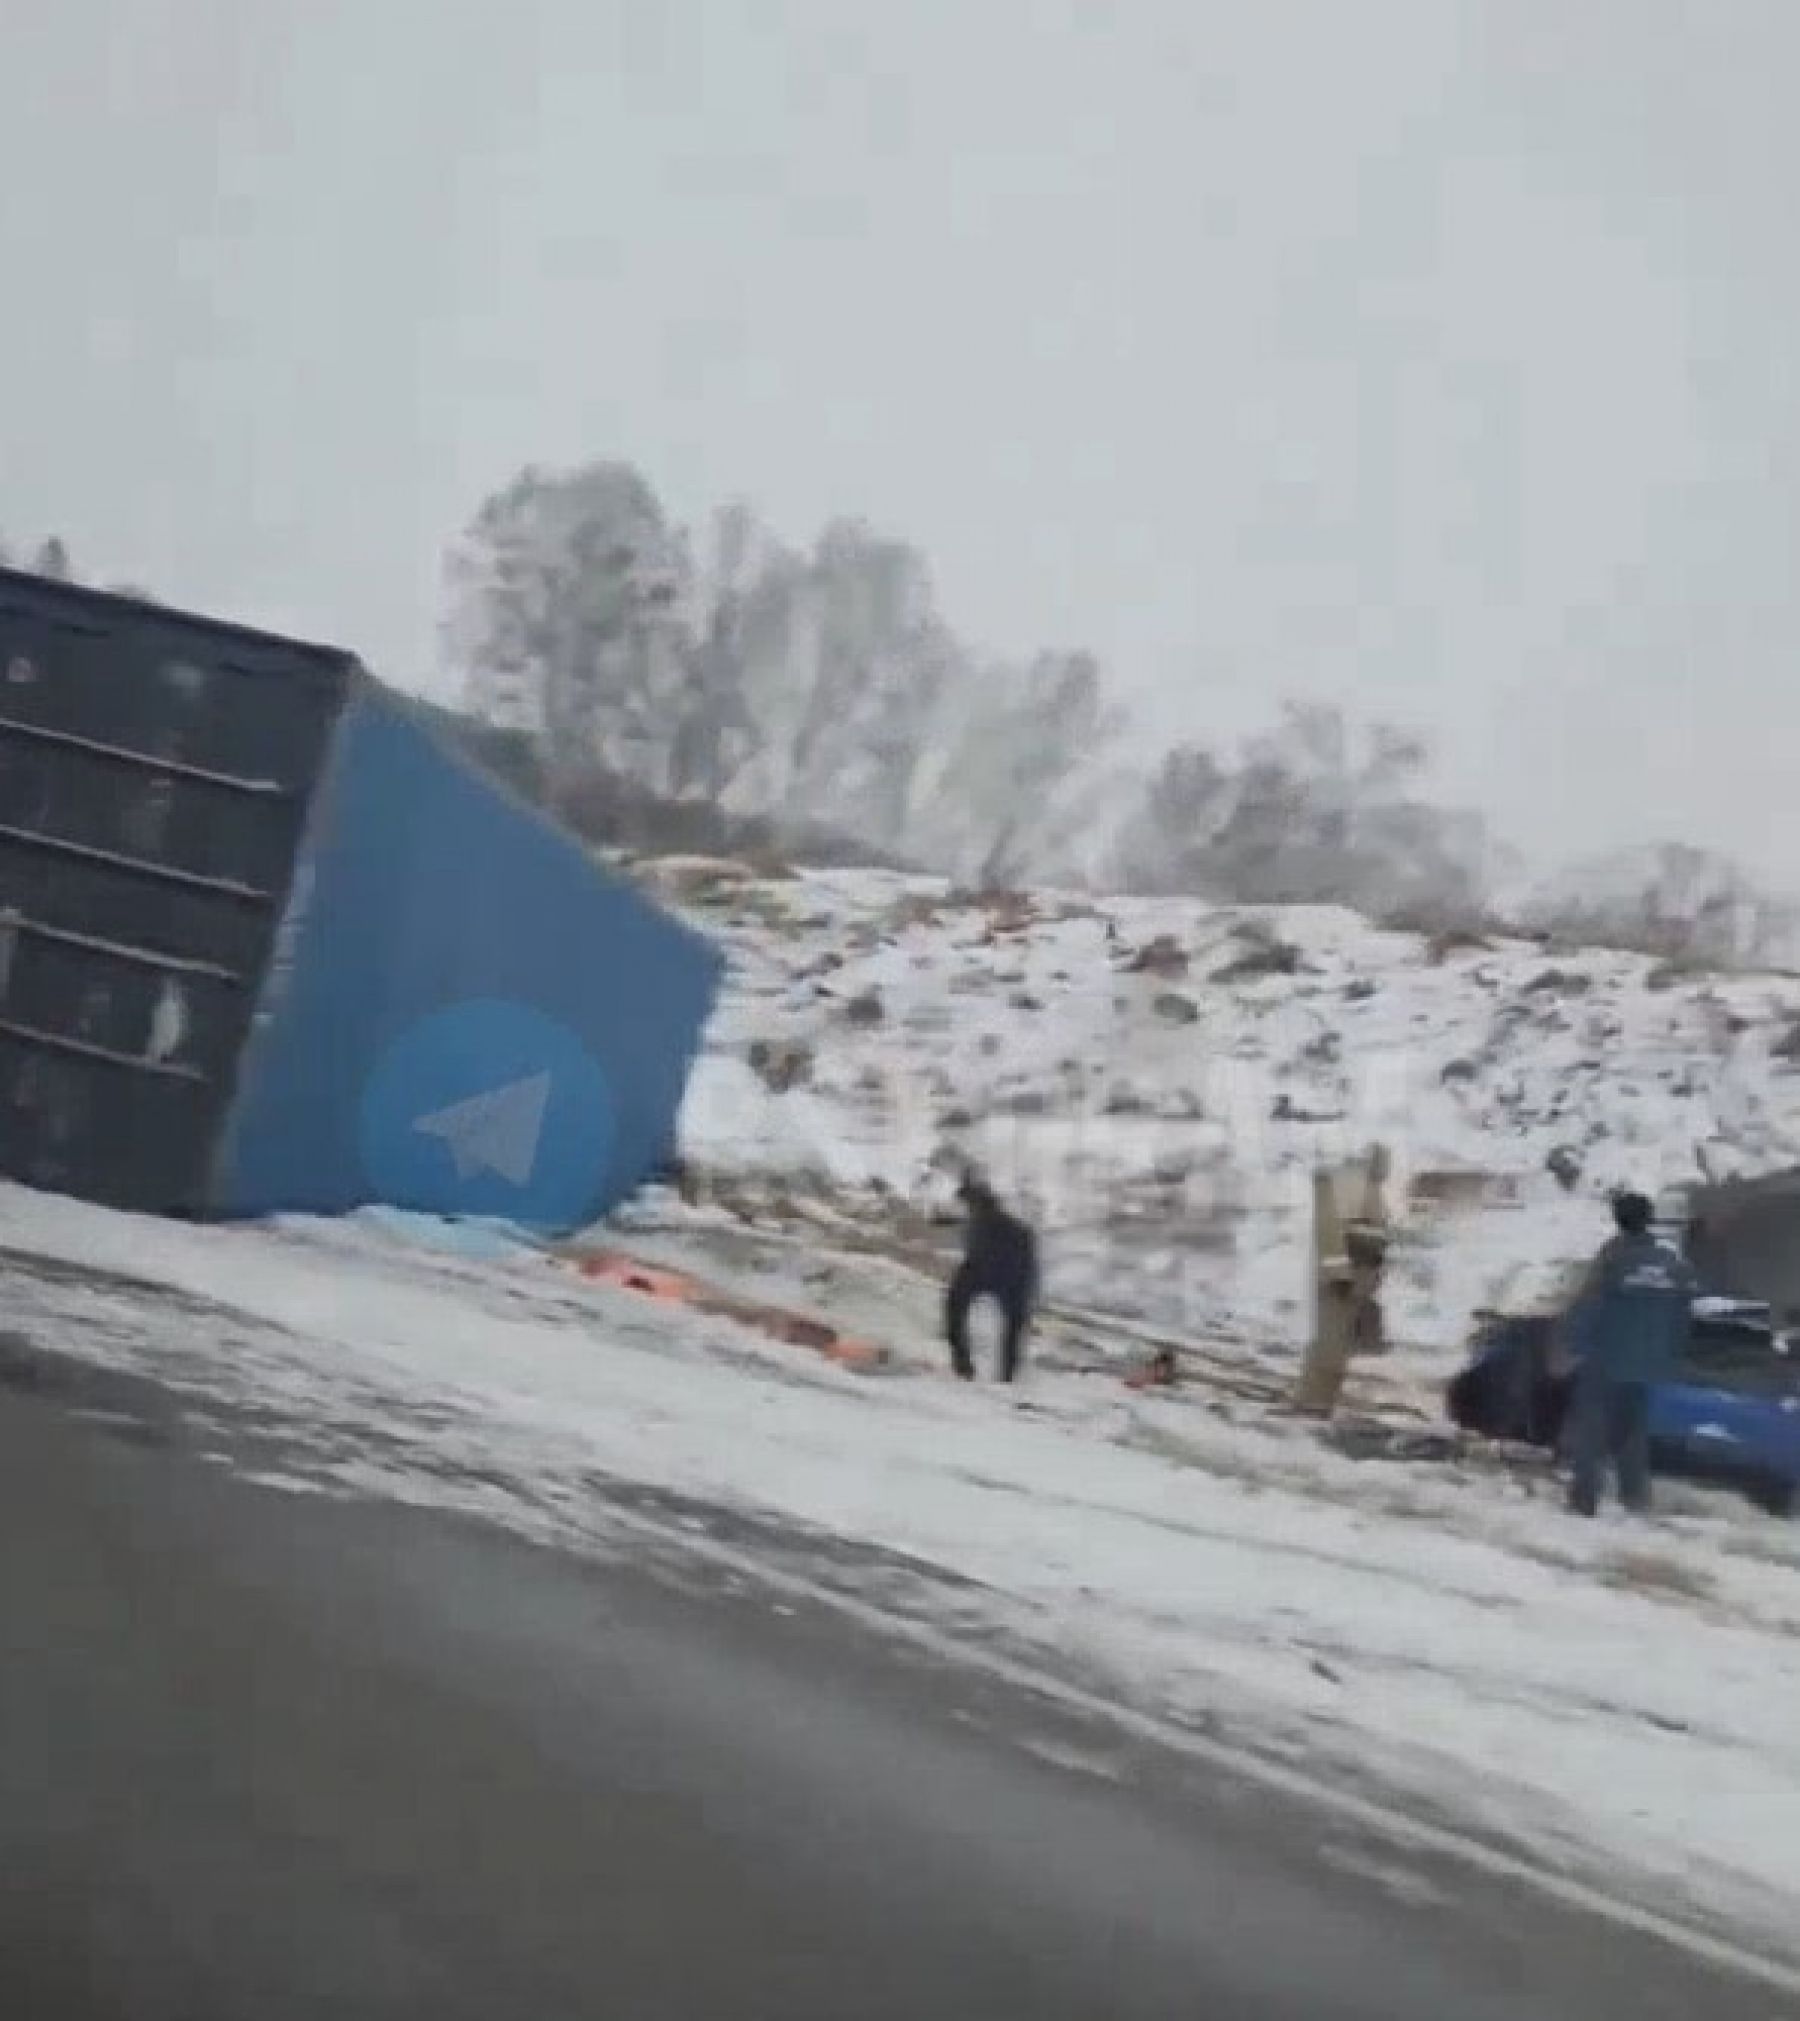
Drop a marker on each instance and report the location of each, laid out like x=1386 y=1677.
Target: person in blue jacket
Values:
x=1626 y=1328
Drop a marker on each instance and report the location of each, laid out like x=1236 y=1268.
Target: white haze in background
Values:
x=1426 y=356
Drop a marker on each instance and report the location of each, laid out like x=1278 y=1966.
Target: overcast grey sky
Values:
x=1437 y=354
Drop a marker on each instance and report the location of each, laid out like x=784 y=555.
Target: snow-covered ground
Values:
x=1154 y=1081
x=1617 y=1698
x=1156 y=1078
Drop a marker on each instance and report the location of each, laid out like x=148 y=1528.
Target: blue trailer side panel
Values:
x=467 y=1016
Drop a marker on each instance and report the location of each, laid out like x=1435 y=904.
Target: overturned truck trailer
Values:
x=266 y=943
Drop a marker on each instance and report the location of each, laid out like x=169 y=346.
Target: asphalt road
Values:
x=266 y=1755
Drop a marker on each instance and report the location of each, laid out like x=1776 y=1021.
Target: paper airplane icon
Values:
x=493 y=1132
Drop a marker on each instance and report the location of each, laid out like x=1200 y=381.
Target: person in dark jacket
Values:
x=1000 y=1262
x=1626 y=1328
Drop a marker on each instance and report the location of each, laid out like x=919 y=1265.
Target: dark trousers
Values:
x=959 y=1301
x=1608 y=1421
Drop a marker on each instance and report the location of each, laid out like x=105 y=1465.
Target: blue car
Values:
x=1731 y=1415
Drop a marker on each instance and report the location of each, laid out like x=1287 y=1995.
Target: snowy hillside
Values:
x=1155 y=1078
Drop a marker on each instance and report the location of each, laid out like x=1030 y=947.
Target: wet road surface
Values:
x=266 y=1755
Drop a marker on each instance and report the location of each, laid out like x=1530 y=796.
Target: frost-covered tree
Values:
x=53 y=560
x=1671 y=900
x=49 y=558
x=1018 y=772
x=746 y=675
x=842 y=662
x=817 y=688
x=564 y=618
x=1170 y=841
x=867 y=715
x=1314 y=811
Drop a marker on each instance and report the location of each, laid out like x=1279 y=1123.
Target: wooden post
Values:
x=1348 y=1255
x=1327 y=1357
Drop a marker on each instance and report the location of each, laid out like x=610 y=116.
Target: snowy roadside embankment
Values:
x=1618 y=1698
x=1156 y=1078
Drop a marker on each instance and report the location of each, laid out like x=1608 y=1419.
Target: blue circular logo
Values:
x=490 y=1109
